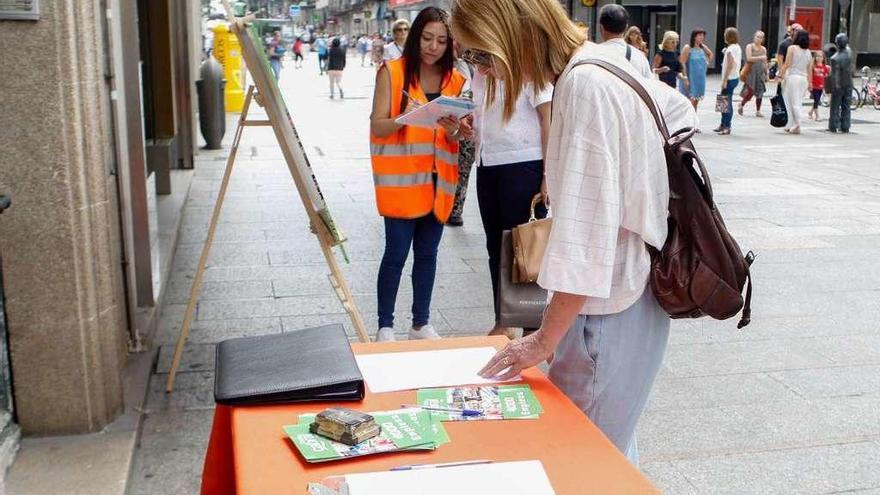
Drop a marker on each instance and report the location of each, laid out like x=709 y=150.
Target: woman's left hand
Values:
x=545 y=196
x=467 y=127
x=451 y=125
x=518 y=355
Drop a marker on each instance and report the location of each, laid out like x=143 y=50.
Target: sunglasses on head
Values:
x=477 y=57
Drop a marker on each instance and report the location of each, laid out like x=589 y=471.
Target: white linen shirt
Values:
x=392 y=52
x=607 y=180
x=637 y=57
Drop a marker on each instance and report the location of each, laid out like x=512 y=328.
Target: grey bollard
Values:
x=212 y=107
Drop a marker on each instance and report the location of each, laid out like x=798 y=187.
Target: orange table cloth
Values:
x=248 y=453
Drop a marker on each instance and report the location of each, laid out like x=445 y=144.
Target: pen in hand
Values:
x=411 y=99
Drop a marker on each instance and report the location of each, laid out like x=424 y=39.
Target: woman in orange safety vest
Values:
x=415 y=169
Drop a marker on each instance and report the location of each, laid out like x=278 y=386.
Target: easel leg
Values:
x=206 y=250
x=342 y=291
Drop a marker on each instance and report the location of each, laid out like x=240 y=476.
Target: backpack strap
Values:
x=636 y=86
x=629 y=52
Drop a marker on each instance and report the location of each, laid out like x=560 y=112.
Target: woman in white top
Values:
x=798 y=63
x=509 y=157
x=607 y=181
x=729 y=76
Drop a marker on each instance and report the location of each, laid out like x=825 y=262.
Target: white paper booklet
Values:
x=428 y=114
x=389 y=372
x=509 y=478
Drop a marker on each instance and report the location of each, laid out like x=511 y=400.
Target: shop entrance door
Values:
x=660 y=23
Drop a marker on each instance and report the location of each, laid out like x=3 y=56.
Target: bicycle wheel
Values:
x=856 y=100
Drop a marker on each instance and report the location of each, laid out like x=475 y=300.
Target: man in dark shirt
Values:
x=786 y=42
x=841 y=85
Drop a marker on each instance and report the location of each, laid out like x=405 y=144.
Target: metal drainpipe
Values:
x=135 y=342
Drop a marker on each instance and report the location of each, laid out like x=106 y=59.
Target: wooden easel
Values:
x=295 y=157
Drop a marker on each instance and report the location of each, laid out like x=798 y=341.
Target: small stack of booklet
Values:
x=492 y=401
x=345 y=425
x=401 y=429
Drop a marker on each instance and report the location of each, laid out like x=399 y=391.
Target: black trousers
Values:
x=505 y=193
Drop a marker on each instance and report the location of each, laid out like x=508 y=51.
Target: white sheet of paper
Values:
x=428 y=114
x=392 y=371
x=509 y=478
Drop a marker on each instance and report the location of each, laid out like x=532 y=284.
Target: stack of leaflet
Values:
x=402 y=429
x=493 y=402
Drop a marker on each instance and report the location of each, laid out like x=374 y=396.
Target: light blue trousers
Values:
x=606 y=365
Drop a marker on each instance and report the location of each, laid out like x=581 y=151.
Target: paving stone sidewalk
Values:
x=791 y=404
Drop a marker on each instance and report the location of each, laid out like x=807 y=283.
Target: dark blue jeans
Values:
x=423 y=234
x=727 y=117
x=505 y=193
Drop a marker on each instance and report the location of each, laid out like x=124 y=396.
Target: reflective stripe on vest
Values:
x=402 y=179
x=408 y=149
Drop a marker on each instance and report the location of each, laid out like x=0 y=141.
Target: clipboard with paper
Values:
x=428 y=114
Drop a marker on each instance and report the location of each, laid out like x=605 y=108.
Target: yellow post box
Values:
x=228 y=52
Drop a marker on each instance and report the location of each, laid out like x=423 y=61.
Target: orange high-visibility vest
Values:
x=405 y=162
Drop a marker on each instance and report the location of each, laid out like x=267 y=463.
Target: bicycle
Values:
x=854 y=103
x=870 y=92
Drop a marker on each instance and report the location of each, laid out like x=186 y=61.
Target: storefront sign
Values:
x=400 y=3
x=20 y=10
x=812 y=19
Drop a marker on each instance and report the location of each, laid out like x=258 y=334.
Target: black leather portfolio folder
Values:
x=314 y=364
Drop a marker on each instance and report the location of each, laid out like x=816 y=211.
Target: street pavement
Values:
x=790 y=404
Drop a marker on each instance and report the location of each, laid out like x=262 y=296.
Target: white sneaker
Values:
x=427 y=332
x=385 y=334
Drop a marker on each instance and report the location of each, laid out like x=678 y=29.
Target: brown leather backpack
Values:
x=701 y=270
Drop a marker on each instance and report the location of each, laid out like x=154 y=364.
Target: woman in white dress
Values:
x=798 y=64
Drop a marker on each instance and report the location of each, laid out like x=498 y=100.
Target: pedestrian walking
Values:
x=841 y=85
x=510 y=159
x=363 y=47
x=415 y=169
x=786 y=42
x=275 y=51
x=378 y=50
x=335 y=66
x=607 y=182
x=613 y=20
x=793 y=76
x=756 y=73
x=695 y=59
x=394 y=50
x=666 y=60
x=466 y=147
x=323 y=53
x=820 y=72
x=633 y=37
x=297 y=53
x=730 y=68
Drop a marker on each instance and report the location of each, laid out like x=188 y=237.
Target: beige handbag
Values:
x=529 y=243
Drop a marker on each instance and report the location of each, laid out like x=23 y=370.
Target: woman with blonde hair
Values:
x=666 y=61
x=607 y=183
x=633 y=37
x=756 y=74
